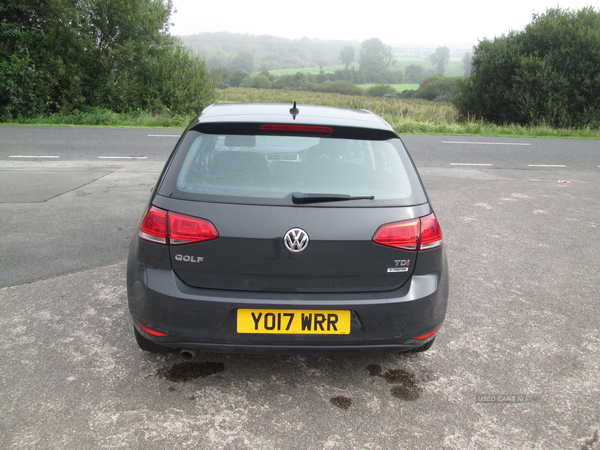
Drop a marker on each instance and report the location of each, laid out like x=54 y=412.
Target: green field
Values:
x=398 y=87
x=310 y=70
x=453 y=69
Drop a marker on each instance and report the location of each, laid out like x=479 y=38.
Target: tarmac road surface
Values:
x=515 y=365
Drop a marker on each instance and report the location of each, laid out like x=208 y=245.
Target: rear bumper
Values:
x=205 y=319
x=293 y=349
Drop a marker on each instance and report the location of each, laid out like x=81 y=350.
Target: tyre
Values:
x=147 y=345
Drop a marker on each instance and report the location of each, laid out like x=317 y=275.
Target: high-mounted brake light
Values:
x=297 y=128
x=416 y=234
x=164 y=227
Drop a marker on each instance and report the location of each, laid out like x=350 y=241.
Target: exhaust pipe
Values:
x=187 y=354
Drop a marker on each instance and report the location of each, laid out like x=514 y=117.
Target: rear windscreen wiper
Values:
x=302 y=198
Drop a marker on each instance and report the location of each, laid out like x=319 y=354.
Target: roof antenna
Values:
x=294 y=111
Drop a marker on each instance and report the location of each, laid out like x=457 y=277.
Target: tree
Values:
x=438 y=87
x=355 y=76
x=339 y=87
x=258 y=81
x=244 y=60
x=388 y=77
x=547 y=74
x=347 y=55
x=237 y=77
x=60 y=55
x=298 y=82
x=221 y=76
x=414 y=73
x=32 y=78
x=467 y=64
x=439 y=59
x=380 y=90
x=374 y=57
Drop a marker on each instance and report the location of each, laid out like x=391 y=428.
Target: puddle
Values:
x=407 y=384
x=399 y=376
x=408 y=393
x=341 y=402
x=190 y=370
x=374 y=370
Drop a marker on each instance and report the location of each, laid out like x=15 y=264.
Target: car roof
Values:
x=280 y=113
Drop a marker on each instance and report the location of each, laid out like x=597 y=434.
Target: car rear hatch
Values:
x=323 y=192
x=327 y=249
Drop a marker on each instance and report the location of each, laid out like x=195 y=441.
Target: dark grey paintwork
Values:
x=250 y=255
x=277 y=113
x=195 y=303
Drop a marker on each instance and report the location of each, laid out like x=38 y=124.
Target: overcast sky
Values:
x=435 y=22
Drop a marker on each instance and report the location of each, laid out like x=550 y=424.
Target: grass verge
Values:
x=407 y=116
x=106 y=118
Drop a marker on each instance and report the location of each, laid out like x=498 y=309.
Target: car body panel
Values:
x=250 y=252
x=188 y=296
x=205 y=318
x=275 y=113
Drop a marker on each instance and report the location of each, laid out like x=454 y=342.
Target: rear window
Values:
x=267 y=169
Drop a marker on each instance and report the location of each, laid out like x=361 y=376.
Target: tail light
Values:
x=154 y=226
x=164 y=227
x=186 y=229
x=423 y=233
x=431 y=233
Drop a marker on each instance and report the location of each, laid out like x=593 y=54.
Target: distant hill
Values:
x=256 y=53
x=235 y=51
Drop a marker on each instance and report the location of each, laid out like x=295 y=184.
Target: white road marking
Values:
x=547 y=165
x=122 y=157
x=32 y=156
x=484 y=143
x=530 y=165
x=469 y=164
x=164 y=135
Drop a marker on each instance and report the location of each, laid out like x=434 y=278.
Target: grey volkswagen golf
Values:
x=287 y=229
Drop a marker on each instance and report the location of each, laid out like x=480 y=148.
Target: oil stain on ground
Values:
x=341 y=402
x=407 y=387
x=190 y=370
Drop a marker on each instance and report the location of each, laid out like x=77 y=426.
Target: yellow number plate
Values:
x=293 y=321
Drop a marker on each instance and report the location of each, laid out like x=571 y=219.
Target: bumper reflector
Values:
x=426 y=335
x=151 y=331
